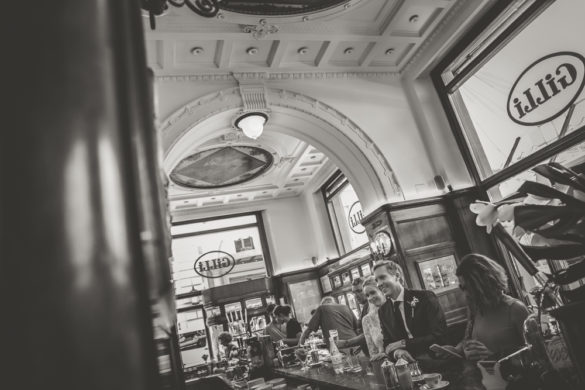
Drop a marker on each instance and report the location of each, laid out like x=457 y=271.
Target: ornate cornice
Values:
x=228 y=99
x=233 y=76
x=447 y=20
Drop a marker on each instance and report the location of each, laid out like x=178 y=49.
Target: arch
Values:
x=316 y=123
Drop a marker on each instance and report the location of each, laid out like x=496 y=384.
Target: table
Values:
x=462 y=375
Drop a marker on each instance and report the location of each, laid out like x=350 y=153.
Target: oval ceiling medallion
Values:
x=278 y=8
x=221 y=167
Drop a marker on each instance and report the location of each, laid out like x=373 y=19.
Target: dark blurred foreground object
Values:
x=212 y=382
x=549 y=221
x=75 y=296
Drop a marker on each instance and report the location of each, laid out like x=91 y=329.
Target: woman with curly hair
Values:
x=230 y=350
x=496 y=320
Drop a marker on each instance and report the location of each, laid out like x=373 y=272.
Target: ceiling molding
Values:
x=438 y=33
x=180 y=123
x=231 y=76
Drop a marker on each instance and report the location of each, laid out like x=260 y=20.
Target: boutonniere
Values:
x=413 y=303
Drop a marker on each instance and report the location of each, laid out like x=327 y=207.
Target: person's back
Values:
x=334 y=316
x=501 y=328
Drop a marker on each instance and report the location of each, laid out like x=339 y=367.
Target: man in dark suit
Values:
x=411 y=320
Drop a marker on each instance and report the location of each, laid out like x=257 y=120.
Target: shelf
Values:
x=189 y=308
x=188 y=295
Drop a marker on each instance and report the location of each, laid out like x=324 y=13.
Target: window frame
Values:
x=259 y=224
x=336 y=183
x=444 y=91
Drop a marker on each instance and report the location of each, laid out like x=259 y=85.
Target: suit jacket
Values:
x=426 y=321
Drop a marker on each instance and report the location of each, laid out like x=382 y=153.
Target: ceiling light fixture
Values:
x=252 y=124
x=205 y=8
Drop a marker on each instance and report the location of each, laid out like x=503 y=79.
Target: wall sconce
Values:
x=252 y=124
x=381 y=245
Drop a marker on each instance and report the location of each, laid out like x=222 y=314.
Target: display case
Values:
x=241 y=318
x=341 y=274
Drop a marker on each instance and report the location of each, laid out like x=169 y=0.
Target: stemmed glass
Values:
x=303 y=357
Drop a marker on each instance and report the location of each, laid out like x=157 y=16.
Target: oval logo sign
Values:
x=547 y=88
x=354 y=218
x=214 y=264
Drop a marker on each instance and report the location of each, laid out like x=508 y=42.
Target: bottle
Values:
x=403 y=374
x=390 y=376
x=336 y=357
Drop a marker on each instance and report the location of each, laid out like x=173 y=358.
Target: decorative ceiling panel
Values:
x=280 y=7
x=195 y=53
x=390 y=54
x=413 y=20
x=251 y=53
x=350 y=53
x=221 y=167
x=234 y=41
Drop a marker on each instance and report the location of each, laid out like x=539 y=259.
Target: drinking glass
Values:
x=414 y=370
x=303 y=357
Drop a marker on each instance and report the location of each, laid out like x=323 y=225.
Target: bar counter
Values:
x=461 y=375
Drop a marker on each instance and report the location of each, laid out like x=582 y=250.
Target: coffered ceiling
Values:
x=295 y=165
x=358 y=35
x=352 y=36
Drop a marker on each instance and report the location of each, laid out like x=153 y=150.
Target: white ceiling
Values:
x=359 y=36
x=362 y=35
x=295 y=165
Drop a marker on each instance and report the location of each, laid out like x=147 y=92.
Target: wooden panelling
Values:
x=236 y=291
x=281 y=282
x=471 y=237
x=424 y=231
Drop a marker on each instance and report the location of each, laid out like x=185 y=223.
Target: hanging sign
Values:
x=214 y=264
x=547 y=88
x=354 y=218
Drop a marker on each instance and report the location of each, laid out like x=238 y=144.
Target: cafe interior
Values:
x=196 y=163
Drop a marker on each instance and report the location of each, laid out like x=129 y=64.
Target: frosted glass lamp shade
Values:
x=252 y=124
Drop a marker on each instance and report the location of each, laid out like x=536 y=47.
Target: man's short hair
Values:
x=327 y=301
x=282 y=310
x=270 y=308
x=370 y=281
x=392 y=267
x=357 y=281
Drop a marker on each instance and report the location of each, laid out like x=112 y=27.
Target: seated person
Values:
x=372 y=331
x=274 y=329
x=411 y=320
x=496 y=321
x=229 y=349
x=293 y=328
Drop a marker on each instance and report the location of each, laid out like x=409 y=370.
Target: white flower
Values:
x=487 y=214
x=412 y=304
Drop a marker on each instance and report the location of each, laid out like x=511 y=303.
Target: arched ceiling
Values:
x=295 y=165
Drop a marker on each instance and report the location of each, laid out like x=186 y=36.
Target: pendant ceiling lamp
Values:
x=252 y=124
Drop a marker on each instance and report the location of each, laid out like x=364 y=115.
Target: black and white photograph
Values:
x=293 y=195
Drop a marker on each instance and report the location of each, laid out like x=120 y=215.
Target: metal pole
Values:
x=75 y=304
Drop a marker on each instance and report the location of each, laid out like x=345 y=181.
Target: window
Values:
x=514 y=95
x=215 y=252
x=345 y=213
x=516 y=91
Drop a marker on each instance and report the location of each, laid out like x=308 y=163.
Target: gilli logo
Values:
x=214 y=264
x=547 y=88
x=354 y=218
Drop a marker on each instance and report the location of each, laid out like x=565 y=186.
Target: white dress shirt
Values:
x=400 y=299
